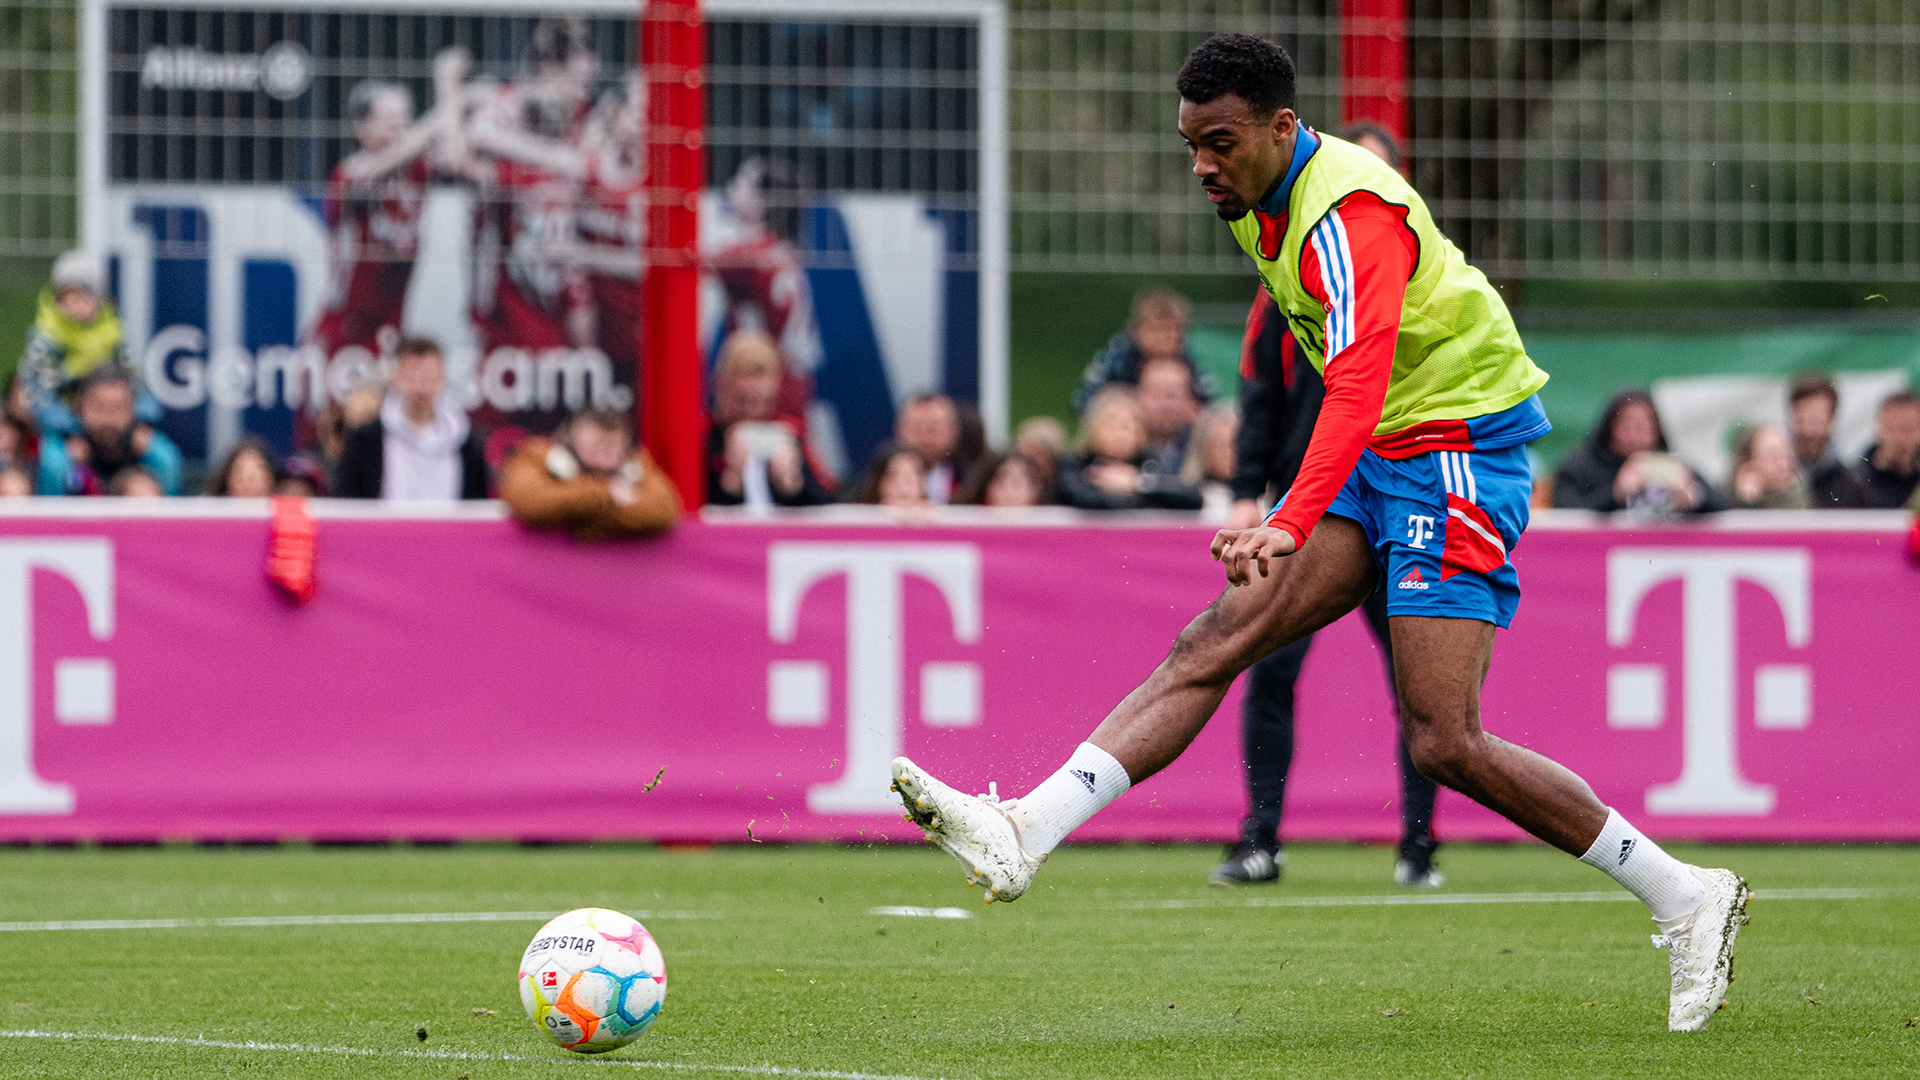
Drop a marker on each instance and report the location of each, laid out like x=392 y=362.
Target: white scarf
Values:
x=422 y=462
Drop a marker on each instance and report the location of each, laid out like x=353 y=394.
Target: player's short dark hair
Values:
x=606 y=420
x=1812 y=384
x=1899 y=399
x=416 y=345
x=1252 y=67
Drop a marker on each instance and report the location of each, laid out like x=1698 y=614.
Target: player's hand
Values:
x=1240 y=550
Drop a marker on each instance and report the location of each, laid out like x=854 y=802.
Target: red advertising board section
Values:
x=462 y=677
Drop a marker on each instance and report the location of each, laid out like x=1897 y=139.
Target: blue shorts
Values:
x=1441 y=525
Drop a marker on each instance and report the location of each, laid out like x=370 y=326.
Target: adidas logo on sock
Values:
x=1086 y=778
x=1626 y=849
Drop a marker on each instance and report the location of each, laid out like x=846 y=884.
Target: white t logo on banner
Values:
x=83 y=688
x=797 y=690
x=1710 y=780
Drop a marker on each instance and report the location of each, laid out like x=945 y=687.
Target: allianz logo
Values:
x=284 y=71
x=182 y=375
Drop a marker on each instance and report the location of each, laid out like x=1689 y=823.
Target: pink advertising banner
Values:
x=458 y=676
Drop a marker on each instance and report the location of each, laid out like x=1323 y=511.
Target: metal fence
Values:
x=39 y=59
x=1772 y=140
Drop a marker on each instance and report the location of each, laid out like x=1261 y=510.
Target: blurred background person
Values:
x=748 y=247
x=420 y=446
x=1812 y=405
x=929 y=425
x=1156 y=330
x=1043 y=441
x=1624 y=464
x=15 y=482
x=110 y=440
x=302 y=476
x=754 y=452
x=247 y=471
x=1170 y=405
x=1765 y=476
x=897 y=477
x=1374 y=139
x=1006 y=480
x=1890 y=469
x=1208 y=463
x=76 y=331
x=134 y=482
x=1112 y=470
x=589 y=479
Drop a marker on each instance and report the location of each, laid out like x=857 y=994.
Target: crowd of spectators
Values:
x=77 y=420
x=1625 y=463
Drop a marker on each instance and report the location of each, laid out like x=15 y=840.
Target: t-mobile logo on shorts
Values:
x=1413 y=580
x=1626 y=849
x=1419 y=530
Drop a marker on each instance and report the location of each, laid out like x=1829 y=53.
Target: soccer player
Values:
x=1415 y=481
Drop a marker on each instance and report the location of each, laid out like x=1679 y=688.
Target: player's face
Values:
x=1238 y=155
x=383 y=123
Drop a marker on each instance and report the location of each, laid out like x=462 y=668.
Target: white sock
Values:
x=1063 y=802
x=1665 y=884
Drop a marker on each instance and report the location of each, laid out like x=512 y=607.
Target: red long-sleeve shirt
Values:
x=1356 y=263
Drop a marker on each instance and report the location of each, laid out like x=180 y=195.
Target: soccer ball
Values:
x=593 y=980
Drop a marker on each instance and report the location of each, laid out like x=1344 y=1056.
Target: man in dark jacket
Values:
x=1890 y=469
x=1812 y=404
x=1280 y=395
x=420 y=447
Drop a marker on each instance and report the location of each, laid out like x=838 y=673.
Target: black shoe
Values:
x=1256 y=858
x=1415 y=868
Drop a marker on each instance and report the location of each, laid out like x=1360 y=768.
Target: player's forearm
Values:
x=1347 y=419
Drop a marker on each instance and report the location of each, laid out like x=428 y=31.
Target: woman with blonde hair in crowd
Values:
x=1208 y=464
x=1112 y=470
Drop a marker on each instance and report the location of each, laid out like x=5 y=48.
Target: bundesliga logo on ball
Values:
x=593 y=980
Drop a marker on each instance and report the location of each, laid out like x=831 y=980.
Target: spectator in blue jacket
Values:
x=109 y=441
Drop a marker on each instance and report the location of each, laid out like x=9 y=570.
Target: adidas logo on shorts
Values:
x=1413 y=580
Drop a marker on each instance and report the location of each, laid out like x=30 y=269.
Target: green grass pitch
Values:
x=1120 y=963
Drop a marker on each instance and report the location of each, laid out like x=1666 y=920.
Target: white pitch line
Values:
x=322 y=920
x=1427 y=899
x=923 y=912
x=447 y=1055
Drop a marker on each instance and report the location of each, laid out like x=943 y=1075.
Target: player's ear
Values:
x=1283 y=124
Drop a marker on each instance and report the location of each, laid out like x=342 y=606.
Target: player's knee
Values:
x=1442 y=755
x=1203 y=654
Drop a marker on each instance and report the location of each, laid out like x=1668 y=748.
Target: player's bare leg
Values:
x=1001 y=843
x=1439 y=665
x=1299 y=594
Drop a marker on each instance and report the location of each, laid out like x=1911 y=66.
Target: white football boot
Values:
x=974 y=829
x=1700 y=950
